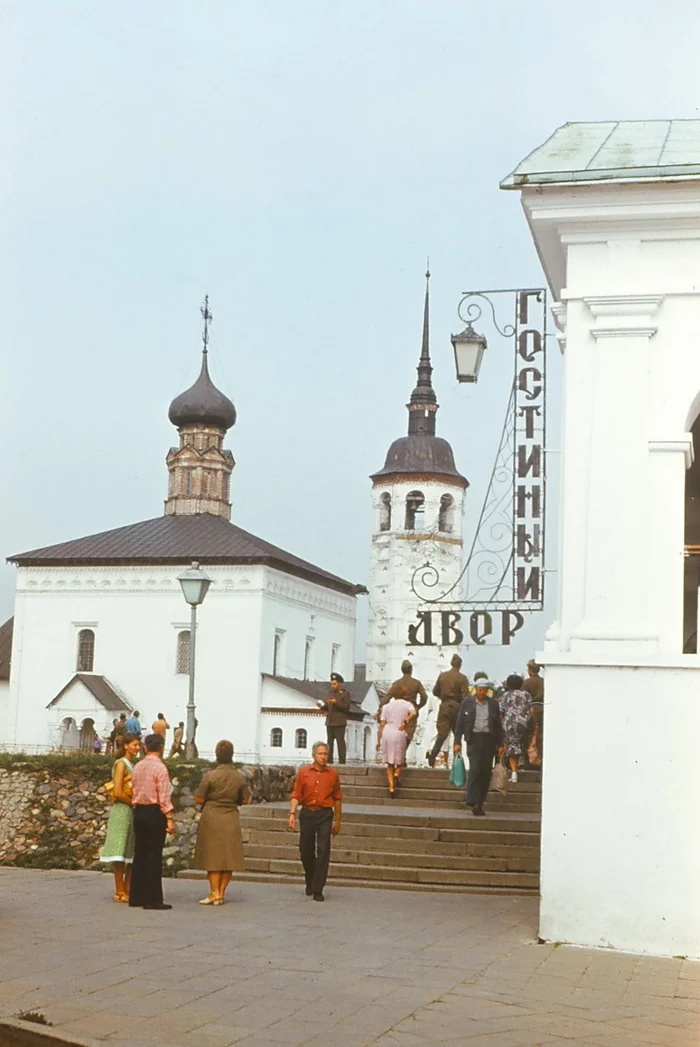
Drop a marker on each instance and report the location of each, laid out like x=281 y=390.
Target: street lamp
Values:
x=469 y=349
x=195 y=585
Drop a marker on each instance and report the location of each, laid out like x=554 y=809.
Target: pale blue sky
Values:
x=297 y=162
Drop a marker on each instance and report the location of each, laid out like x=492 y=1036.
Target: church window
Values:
x=188 y=482
x=205 y=481
x=308 y=648
x=300 y=739
x=277 y=652
x=226 y=487
x=182 y=664
x=335 y=655
x=276 y=737
x=86 y=651
x=446 y=517
x=415 y=504
x=385 y=512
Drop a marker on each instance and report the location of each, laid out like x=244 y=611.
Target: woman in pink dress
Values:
x=392 y=737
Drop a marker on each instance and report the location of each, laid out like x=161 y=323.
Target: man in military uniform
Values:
x=336 y=707
x=534 y=685
x=413 y=691
x=451 y=687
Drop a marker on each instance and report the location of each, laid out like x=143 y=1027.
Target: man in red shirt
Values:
x=317 y=791
x=153 y=818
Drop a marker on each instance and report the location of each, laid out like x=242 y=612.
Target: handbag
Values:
x=499 y=777
x=533 y=755
x=458 y=774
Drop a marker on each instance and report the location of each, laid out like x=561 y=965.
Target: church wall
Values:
x=136 y=615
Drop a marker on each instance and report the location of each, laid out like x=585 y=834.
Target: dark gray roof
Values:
x=202 y=404
x=100 y=688
x=320 y=689
x=6 y=648
x=421 y=454
x=179 y=540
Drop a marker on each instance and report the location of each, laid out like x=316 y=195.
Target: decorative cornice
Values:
x=623 y=332
x=680 y=445
x=558 y=310
x=624 y=316
x=390 y=479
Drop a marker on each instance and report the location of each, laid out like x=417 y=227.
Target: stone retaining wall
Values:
x=53 y=812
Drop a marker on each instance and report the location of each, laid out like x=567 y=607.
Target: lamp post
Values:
x=195 y=585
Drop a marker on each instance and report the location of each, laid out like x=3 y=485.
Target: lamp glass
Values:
x=195 y=585
x=469 y=351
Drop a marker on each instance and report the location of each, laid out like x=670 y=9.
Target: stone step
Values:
x=339 y=881
x=378 y=818
x=407 y=791
x=523 y=845
x=424 y=777
x=393 y=873
x=342 y=854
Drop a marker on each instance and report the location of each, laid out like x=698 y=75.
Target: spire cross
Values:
x=207 y=317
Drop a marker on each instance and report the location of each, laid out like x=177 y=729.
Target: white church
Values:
x=100 y=625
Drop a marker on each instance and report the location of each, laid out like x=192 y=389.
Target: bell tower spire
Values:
x=423 y=405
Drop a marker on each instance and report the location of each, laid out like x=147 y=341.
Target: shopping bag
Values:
x=458 y=775
x=499 y=777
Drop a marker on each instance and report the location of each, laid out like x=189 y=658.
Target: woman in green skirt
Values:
x=119 y=843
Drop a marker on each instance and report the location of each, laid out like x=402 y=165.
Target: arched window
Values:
x=447 y=512
x=385 y=512
x=182 y=664
x=86 y=651
x=300 y=739
x=276 y=737
x=415 y=504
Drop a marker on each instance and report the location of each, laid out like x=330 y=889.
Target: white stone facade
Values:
x=396 y=554
x=255 y=619
x=620 y=859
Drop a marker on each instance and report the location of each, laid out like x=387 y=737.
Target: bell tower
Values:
x=200 y=468
x=417 y=508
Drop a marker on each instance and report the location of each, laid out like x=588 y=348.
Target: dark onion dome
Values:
x=421 y=454
x=202 y=404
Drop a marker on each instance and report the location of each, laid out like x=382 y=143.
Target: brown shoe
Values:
x=479 y=811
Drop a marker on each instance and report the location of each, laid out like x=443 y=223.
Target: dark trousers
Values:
x=336 y=734
x=481 y=751
x=149 y=829
x=315 y=846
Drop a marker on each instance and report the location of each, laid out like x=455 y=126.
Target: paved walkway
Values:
x=273 y=968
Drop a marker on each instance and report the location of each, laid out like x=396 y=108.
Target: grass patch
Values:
x=33 y=1016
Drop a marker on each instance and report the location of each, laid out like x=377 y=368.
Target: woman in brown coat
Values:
x=219 y=847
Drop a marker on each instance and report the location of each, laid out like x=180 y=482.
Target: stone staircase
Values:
x=424 y=840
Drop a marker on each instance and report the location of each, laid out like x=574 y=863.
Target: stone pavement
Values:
x=273 y=968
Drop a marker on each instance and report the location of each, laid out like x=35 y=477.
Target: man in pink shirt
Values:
x=152 y=820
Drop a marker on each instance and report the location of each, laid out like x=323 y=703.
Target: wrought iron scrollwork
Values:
x=474 y=311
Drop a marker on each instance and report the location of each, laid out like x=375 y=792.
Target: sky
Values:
x=298 y=163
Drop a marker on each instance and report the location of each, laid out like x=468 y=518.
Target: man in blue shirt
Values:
x=132 y=724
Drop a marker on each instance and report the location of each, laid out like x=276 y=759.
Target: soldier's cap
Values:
x=532 y=664
x=406 y=666
x=483 y=683
x=338 y=677
x=480 y=676
x=455 y=660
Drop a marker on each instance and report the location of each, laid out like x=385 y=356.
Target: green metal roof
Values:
x=612 y=151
